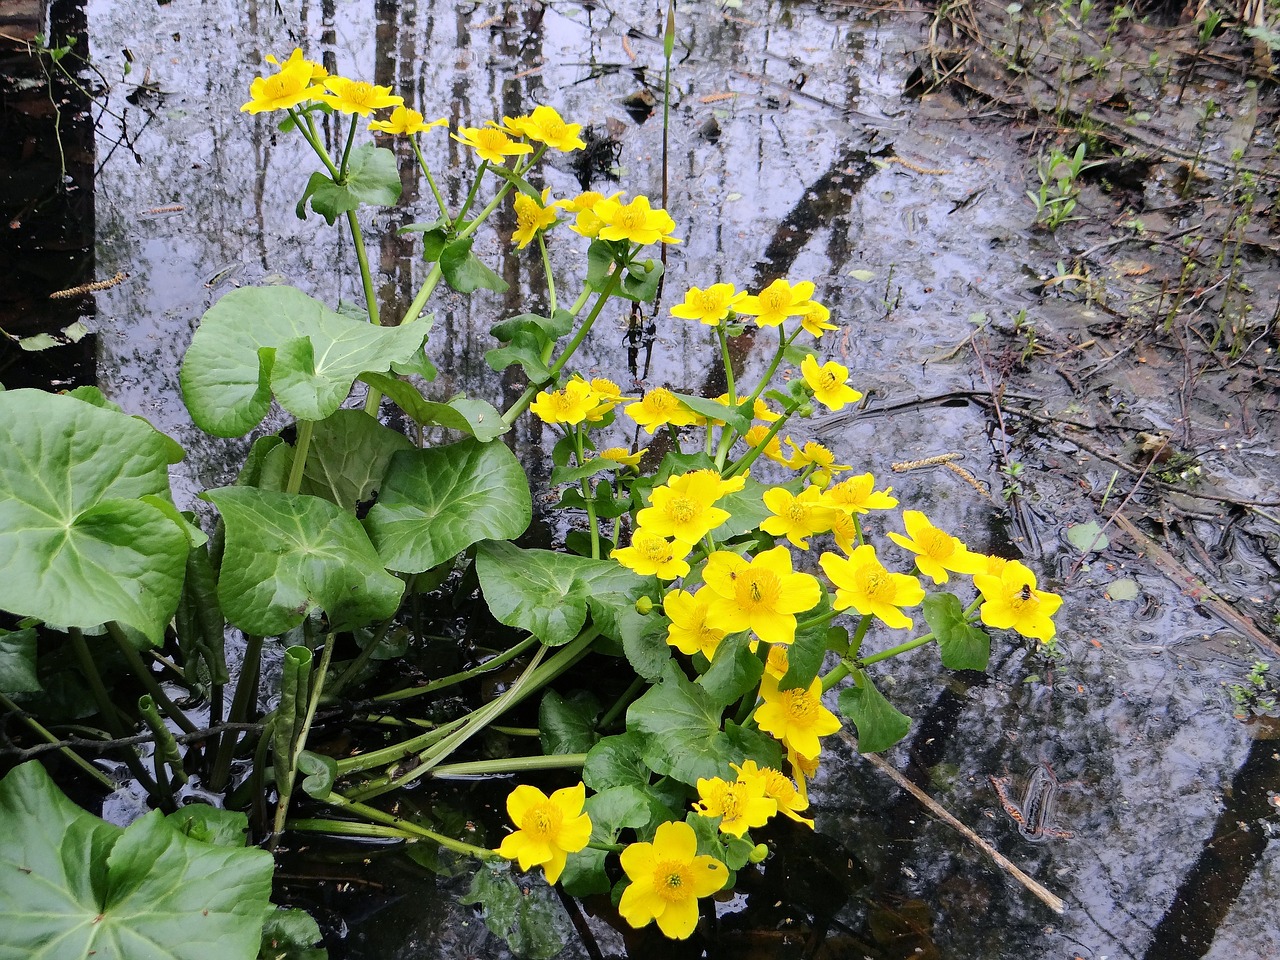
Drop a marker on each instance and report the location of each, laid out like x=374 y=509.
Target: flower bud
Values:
x=759 y=854
x=644 y=606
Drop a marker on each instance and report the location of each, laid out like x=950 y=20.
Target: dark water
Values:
x=786 y=120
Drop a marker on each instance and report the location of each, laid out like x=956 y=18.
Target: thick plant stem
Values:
x=147 y=680
x=462 y=675
x=316 y=685
x=300 y=448
x=551 y=280
x=426 y=172
x=479 y=768
x=40 y=731
x=901 y=648
x=399 y=823
x=366 y=276
x=588 y=495
x=246 y=696
x=621 y=703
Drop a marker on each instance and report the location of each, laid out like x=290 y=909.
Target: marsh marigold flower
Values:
x=531 y=216
x=797 y=517
x=858 y=495
x=762 y=595
x=658 y=408
x=606 y=395
x=570 y=405
x=1011 y=601
x=936 y=551
x=357 y=96
x=773 y=449
x=286 y=89
x=830 y=383
x=797 y=718
x=863 y=583
x=652 y=556
x=405 y=122
x=709 y=306
x=491 y=144
x=667 y=878
x=814 y=454
x=318 y=72
x=689 y=632
x=636 y=221
x=845 y=530
x=622 y=456
x=779 y=788
x=548 y=828
x=545 y=125
x=814 y=319
x=684 y=508
x=586 y=223
x=740 y=805
x=776 y=302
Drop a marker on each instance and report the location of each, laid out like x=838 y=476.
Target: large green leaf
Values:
x=531 y=920
x=348 y=456
x=73 y=886
x=463 y=270
x=961 y=645
x=435 y=503
x=549 y=593
x=372 y=177
x=78 y=547
x=257 y=342
x=733 y=672
x=685 y=740
x=617 y=761
x=18 y=661
x=476 y=418
x=288 y=554
x=568 y=725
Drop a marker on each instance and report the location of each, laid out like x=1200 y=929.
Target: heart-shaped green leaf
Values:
x=77 y=545
x=348 y=456
x=260 y=341
x=476 y=418
x=372 y=177
x=463 y=270
x=880 y=724
x=288 y=554
x=75 y=887
x=549 y=593
x=18 y=661
x=961 y=645
x=435 y=503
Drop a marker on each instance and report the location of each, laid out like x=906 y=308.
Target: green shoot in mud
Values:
x=715 y=585
x=1059 y=190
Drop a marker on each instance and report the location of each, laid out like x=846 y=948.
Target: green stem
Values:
x=48 y=737
x=463 y=675
x=621 y=703
x=471 y=194
x=242 y=701
x=300 y=737
x=820 y=619
x=728 y=366
x=581 y=302
x=397 y=751
x=420 y=301
x=376 y=815
x=480 y=768
x=748 y=458
x=546 y=268
x=358 y=664
x=300 y=449
x=346 y=151
x=144 y=676
x=426 y=171
x=838 y=673
x=348 y=828
x=308 y=131
x=366 y=276
x=901 y=648
x=588 y=495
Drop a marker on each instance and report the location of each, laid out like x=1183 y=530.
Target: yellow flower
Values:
x=1011 y=601
x=762 y=595
x=357 y=96
x=570 y=405
x=797 y=518
x=816 y=455
x=492 y=145
x=584 y=201
x=318 y=72
x=803 y=769
x=586 y=223
x=636 y=221
x=845 y=530
x=776 y=302
x=606 y=395
x=994 y=566
x=778 y=787
x=406 y=122
x=858 y=495
x=709 y=306
x=797 y=718
x=658 y=408
x=548 y=828
x=667 y=878
x=863 y=583
x=814 y=320
x=531 y=217
x=936 y=551
x=740 y=805
x=288 y=88
x=830 y=383
x=622 y=456
x=689 y=632
x=755 y=436
x=731 y=485
x=545 y=125
x=651 y=555
x=683 y=507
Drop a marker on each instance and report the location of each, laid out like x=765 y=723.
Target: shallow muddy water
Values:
x=793 y=152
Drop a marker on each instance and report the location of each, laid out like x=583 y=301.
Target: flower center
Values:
x=359 y=92
x=281 y=85
x=660 y=401
x=875 y=584
x=527 y=216
x=491 y=139
x=757 y=590
x=706 y=301
x=682 y=509
x=673 y=881
x=656 y=550
x=797 y=512
x=732 y=802
x=801 y=707
x=827 y=379
x=629 y=218
x=542 y=820
x=936 y=544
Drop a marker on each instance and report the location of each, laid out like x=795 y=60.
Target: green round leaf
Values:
x=75 y=887
x=880 y=724
x=435 y=503
x=288 y=554
x=260 y=341
x=77 y=545
x=348 y=456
